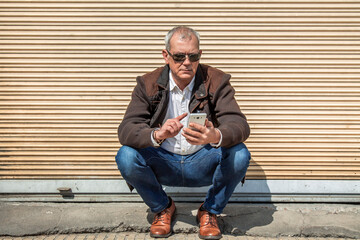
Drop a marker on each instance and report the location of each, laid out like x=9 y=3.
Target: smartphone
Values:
x=198 y=118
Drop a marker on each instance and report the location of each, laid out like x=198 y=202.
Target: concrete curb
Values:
x=263 y=220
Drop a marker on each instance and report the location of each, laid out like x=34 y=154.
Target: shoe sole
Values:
x=160 y=236
x=209 y=237
x=168 y=234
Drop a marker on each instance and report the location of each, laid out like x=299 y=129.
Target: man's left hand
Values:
x=197 y=134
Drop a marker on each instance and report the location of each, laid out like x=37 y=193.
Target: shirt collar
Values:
x=173 y=85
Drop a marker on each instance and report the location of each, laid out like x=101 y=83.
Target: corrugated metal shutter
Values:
x=68 y=68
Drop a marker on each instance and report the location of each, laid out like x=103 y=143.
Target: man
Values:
x=158 y=147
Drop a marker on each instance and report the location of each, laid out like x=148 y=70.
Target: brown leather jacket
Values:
x=212 y=94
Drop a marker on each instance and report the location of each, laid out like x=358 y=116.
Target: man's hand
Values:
x=170 y=128
x=201 y=134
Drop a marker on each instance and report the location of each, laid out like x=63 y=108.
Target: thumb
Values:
x=209 y=124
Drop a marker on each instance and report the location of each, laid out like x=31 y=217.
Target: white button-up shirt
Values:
x=178 y=104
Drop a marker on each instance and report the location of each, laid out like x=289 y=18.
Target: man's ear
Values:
x=165 y=56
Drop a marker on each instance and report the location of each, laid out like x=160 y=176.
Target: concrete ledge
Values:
x=263 y=220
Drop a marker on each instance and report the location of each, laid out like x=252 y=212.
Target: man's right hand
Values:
x=170 y=129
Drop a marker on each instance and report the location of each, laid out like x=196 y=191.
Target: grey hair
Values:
x=186 y=33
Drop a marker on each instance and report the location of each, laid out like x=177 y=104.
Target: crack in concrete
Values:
x=302 y=228
x=60 y=218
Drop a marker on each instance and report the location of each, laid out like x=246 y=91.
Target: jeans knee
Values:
x=241 y=157
x=126 y=159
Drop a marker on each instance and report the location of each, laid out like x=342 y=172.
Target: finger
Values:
x=209 y=124
x=178 y=125
x=198 y=127
x=171 y=130
x=172 y=124
x=193 y=143
x=192 y=140
x=193 y=133
x=181 y=117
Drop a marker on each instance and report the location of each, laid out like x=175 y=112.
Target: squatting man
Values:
x=160 y=148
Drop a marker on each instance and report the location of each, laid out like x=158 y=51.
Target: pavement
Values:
x=146 y=236
x=131 y=220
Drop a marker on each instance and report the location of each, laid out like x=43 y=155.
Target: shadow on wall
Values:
x=248 y=208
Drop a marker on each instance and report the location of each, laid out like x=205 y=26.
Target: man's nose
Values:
x=187 y=60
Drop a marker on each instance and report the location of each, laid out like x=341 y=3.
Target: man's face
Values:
x=182 y=71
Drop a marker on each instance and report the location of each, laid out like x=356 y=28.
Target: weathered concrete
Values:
x=265 y=220
x=145 y=236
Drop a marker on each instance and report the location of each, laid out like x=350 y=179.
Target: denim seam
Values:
x=182 y=170
x=198 y=159
x=163 y=159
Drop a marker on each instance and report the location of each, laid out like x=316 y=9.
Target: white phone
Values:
x=198 y=118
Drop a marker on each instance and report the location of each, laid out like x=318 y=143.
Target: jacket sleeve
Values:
x=134 y=130
x=232 y=122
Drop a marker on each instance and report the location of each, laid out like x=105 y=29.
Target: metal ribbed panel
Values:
x=68 y=68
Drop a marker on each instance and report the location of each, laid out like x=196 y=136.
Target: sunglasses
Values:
x=180 y=57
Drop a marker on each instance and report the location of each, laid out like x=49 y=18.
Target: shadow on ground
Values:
x=237 y=218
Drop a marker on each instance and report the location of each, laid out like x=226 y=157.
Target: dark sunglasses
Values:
x=180 y=57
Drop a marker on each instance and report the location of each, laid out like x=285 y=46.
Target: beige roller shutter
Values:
x=68 y=67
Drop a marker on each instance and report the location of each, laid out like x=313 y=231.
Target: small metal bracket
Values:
x=66 y=192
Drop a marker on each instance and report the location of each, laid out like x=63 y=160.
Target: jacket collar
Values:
x=199 y=90
x=163 y=80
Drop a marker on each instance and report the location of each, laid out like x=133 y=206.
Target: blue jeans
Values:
x=149 y=168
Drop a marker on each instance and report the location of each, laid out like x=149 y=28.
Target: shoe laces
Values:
x=160 y=217
x=210 y=219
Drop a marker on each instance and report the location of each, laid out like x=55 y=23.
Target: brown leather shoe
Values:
x=209 y=228
x=161 y=226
